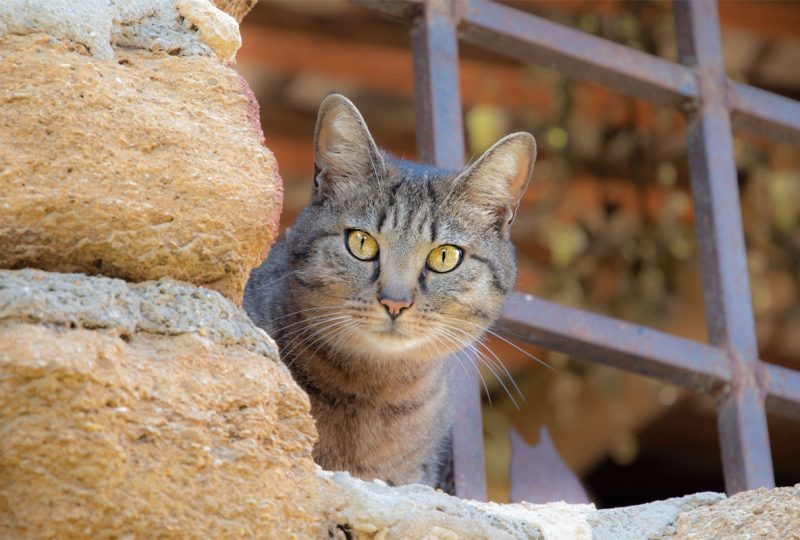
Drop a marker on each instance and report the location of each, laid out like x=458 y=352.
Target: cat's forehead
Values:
x=412 y=211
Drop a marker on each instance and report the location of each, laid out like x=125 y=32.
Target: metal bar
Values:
x=742 y=420
x=532 y=39
x=783 y=390
x=469 y=469
x=440 y=141
x=437 y=98
x=403 y=9
x=744 y=440
x=765 y=113
x=615 y=343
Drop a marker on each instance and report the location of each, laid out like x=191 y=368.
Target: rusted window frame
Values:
x=728 y=366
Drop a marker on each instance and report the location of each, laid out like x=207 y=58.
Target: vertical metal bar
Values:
x=742 y=421
x=434 y=45
x=440 y=141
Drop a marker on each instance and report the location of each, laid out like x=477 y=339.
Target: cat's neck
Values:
x=355 y=378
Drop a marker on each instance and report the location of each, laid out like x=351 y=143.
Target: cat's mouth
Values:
x=391 y=333
x=394 y=334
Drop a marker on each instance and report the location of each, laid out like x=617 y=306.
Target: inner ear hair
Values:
x=501 y=175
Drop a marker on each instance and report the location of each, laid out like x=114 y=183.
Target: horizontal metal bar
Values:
x=533 y=39
x=783 y=390
x=404 y=9
x=765 y=113
x=615 y=343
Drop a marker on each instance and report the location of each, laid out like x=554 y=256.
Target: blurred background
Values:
x=606 y=226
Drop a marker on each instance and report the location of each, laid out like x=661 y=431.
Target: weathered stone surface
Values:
x=652 y=520
x=143 y=168
x=156 y=25
x=122 y=416
x=217 y=28
x=760 y=513
x=365 y=510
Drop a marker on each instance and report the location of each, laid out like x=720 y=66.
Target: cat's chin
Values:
x=392 y=341
x=389 y=345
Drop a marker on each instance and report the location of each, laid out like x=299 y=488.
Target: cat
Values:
x=390 y=269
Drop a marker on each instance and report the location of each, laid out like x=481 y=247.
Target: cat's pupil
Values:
x=363 y=239
x=444 y=255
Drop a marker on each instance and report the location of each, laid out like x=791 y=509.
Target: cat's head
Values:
x=396 y=260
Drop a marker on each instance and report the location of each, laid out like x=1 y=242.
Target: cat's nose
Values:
x=395 y=306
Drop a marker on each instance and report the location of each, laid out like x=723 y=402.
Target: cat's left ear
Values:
x=497 y=181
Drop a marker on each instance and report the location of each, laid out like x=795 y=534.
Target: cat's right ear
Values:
x=344 y=152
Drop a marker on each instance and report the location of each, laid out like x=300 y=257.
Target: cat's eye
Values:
x=361 y=245
x=444 y=258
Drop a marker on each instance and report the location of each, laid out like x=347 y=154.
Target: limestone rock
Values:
x=651 y=520
x=363 y=510
x=217 y=28
x=141 y=168
x=148 y=410
x=154 y=25
x=760 y=513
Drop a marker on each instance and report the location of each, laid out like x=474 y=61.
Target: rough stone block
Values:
x=154 y=410
x=761 y=513
x=141 y=167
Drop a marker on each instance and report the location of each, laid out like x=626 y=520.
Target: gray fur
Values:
x=380 y=399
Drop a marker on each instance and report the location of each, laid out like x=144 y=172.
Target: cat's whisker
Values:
x=498 y=336
x=308 y=320
x=294 y=342
x=342 y=298
x=268 y=283
x=375 y=171
x=492 y=365
x=478 y=371
x=497 y=362
x=330 y=334
x=317 y=308
x=458 y=359
x=312 y=325
x=484 y=360
x=301 y=339
x=345 y=333
x=321 y=333
x=307 y=332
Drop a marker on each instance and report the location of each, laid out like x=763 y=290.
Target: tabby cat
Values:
x=390 y=269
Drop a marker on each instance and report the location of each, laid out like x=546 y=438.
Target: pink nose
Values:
x=395 y=307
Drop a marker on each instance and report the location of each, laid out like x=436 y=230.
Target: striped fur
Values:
x=379 y=388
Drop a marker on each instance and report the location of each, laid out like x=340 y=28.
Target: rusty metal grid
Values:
x=728 y=366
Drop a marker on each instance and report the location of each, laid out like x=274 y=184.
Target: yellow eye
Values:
x=361 y=245
x=444 y=258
